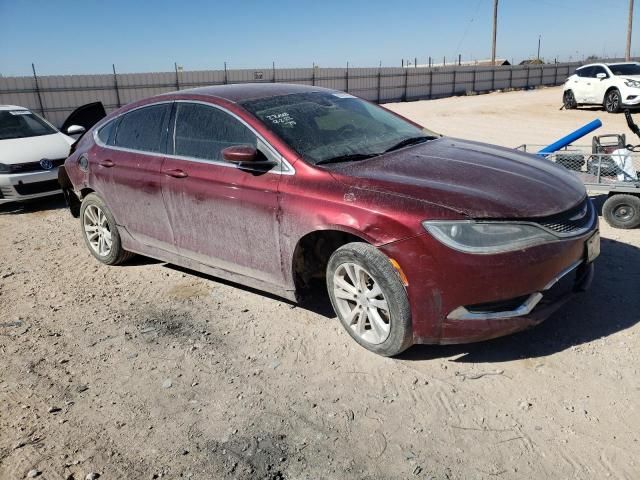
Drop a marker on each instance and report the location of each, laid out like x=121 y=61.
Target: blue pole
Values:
x=572 y=137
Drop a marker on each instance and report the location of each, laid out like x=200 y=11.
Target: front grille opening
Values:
x=571 y=221
x=33 y=166
x=37 y=187
x=499 y=306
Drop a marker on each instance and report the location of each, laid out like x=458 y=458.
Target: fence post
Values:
x=555 y=76
x=493 y=78
x=511 y=76
x=346 y=78
x=313 y=73
x=175 y=65
x=406 y=78
x=528 y=75
x=273 y=71
x=35 y=77
x=542 y=75
x=473 y=85
x=115 y=83
x=430 y=83
x=225 y=73
x=455 y=74
x=379 y=80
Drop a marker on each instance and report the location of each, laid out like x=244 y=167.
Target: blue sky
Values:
x=70 y=36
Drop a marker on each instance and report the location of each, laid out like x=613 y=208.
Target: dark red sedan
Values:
x=287 y=188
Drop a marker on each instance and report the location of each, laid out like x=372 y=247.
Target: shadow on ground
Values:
x=612 y=304
x=53 y=202
x=318 y=303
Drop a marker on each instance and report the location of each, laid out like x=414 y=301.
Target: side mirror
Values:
x=75 y=130
x=601 y=75
x=245 y=156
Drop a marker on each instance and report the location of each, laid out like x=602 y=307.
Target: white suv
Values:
x=613 y=86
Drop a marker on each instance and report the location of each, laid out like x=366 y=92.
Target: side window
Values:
x=585 y=72
x=597 y=70
x=105 y=134
x=144 y=129
x=203 y=132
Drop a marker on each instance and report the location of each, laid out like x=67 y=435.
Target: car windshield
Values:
x=326 y=127
x=21 y=124
x=625 y=69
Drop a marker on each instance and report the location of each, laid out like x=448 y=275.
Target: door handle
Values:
x=176 y=173
x=106 y=163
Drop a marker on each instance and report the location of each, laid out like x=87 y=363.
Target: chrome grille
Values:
x=33 y=166
x=571 y=222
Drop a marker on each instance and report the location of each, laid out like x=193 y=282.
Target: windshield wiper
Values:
x=408 y=141
x=347 y=158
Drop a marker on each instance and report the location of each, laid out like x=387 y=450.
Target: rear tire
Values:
x=613 y=101
x=369 y=299
x=569 y=100
x=622 y=211
x=100 y=231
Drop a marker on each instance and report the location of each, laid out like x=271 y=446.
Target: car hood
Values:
x=631 y=77
x=33 y=149
x=475 y=179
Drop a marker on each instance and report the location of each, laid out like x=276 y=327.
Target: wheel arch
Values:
x=311 y=257
x=606 y=92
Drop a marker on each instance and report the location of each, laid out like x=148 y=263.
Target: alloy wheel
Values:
x=96 y=228
x=613 y=101
x=361 y=303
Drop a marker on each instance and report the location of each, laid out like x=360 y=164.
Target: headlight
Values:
x=487 y=237
x=5 y=168
x=632 y=83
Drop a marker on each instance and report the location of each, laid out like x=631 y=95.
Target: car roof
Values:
x=606 y=64
x=241 y=92
x=12 y=107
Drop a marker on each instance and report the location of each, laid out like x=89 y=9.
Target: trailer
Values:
x=605 y=166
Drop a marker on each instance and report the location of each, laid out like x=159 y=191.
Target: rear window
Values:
x=22 y=124
x=144 y=129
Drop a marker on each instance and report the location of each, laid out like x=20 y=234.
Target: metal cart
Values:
x=603 y=168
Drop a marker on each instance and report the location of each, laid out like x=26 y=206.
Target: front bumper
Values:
x=507 y=292
x=16 y=187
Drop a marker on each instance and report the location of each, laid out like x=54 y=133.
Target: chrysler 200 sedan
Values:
x=418 y=238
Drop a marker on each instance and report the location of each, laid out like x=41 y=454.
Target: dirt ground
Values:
x=146 y=371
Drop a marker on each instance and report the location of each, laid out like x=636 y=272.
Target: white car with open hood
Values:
x=612 y=85
x=31 y=149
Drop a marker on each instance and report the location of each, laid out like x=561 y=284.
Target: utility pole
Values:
x=627 y=55
x=495 y=31
x=539 y=37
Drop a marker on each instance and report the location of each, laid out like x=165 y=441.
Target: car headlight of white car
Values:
x=632 y=83
x=487 y=237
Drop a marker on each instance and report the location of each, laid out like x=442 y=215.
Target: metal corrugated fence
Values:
x=56 y=96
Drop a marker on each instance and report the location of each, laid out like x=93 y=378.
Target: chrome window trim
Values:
x=285 y=167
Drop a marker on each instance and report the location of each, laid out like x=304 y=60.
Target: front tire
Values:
x=369 y=299
x=569 y=100
x=613 y=101
x=100 y=231
x=622 y=211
